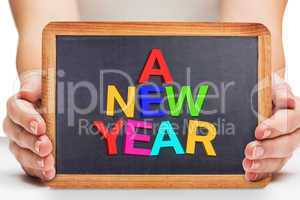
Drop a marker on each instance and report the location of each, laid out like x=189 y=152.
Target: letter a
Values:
x=149 y=70
x=166 y=128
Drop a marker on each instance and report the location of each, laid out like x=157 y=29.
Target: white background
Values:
x=8 y=45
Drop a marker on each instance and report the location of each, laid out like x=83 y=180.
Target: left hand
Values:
x=276 y=137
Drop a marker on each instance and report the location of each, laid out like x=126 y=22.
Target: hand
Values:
x=26 y=129
x=276 y=137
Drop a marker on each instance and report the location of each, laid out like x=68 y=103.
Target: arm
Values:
x=278 y=136
x=23 y=124
x=31 y=16
x=268 y=12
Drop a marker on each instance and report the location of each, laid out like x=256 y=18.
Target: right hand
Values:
x=26 y=129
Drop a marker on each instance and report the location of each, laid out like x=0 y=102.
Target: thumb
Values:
x=30 y=89
x=282 y=93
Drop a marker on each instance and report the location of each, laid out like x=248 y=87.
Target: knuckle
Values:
x=15 y=150
x=5 y=125
x=9 y=104
x=18 y=131
x=31 y=172
x=11 y=147
x=28 y=171
x=18 y=156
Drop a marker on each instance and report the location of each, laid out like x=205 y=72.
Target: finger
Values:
x=29 y=160
x=280 y=147
x=43 y=175
x=252 y=176
x=281 y=94
x=266 y=165
x=24 y=114
x=49 y=174
x=30 y=86
x=39 y=145
x=281 y=123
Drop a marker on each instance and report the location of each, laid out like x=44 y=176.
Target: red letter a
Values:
x=111 y=137
x=163 y=70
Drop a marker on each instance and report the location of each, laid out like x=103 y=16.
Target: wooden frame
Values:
x=152 y=28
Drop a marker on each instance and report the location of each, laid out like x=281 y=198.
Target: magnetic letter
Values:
x=131 y=136
x=147 y=99
x=186 y=92
x=193 y=137
x=110 y=137
x=113 y=94
x=166 y=128
x=149 y=70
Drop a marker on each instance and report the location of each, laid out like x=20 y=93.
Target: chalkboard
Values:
x=87 y=59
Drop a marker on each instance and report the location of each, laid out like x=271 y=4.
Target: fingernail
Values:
x=45 y=174
x=37 y=146
x=267 y=133
x=48 y=174
x=258 y=152
x=251 y=176
x=255 y=165
x=254 y=176
x=40 y=163
x=34 y=127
